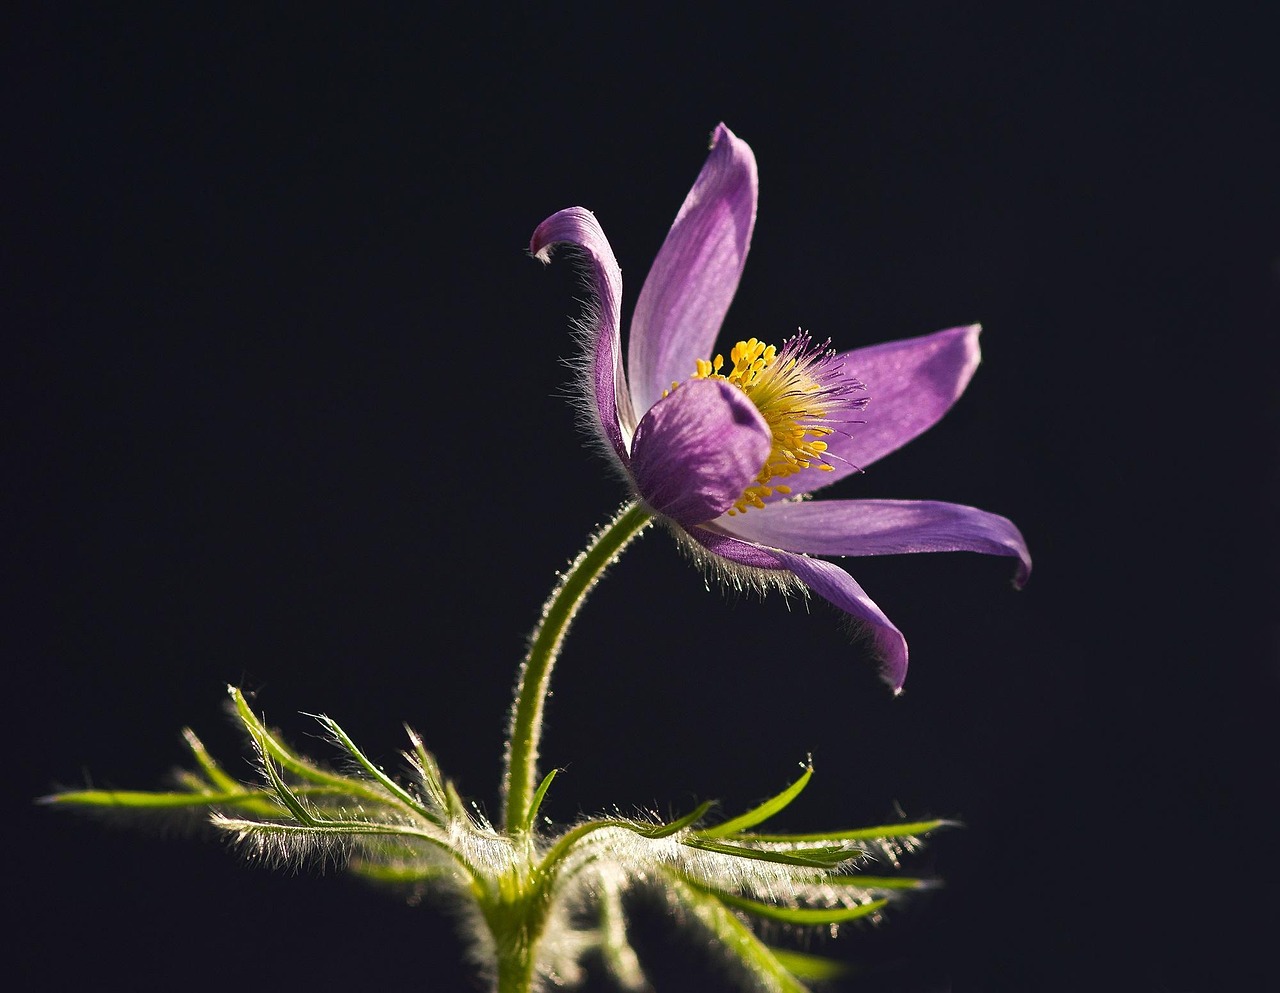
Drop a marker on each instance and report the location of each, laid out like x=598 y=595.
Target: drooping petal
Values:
x=828 y=581
x=695 y=451
x=911 y=383
x=605 y=378
x=688 y=291
x=835 y=585
x=882 y=527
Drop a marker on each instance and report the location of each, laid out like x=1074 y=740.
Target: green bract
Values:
x=534 y=900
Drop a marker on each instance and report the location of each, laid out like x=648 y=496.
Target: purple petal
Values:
x=605 y=379
x=697 y=450
x=881 y=527
x=738 y=550
x=839 y=588
x=828 y=581
x=911 y=384
x=688 y=291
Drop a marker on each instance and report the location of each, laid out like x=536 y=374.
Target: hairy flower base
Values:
x=535 y=900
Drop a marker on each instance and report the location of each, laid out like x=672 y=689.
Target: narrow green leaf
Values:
x=536 y=804
x=428 y=769
x=619 y=957
x=294 y=764
x=257 y=803
x=804 y=916
x=734 y=938
x=215 y=773
x=762 y=812
x=245 y=800
x=904 y=830
x=193 y=782
x=389 y=784
x=454 y=803
x=286 y=796
x=666 y=830
x=145 y=800
x=549 y=866
x=857 y=881
x=818 y=858
x=395 y=875
x=813 y=967
x=273 y=747
x=326 y=826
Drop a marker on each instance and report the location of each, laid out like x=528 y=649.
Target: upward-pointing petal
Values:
x=688 y=291
x=605 y=378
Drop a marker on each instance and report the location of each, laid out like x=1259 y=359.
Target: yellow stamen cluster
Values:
x=792 y=401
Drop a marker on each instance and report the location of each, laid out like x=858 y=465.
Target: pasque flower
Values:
x=724 y=451
x=727 y=451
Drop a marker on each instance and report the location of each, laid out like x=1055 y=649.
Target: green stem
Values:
x=520 y=776
x=515 y=970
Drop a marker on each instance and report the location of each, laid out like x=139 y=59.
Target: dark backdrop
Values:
x=286 y=409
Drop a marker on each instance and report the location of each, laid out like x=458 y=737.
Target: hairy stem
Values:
x=520 y=776
x=515 y=968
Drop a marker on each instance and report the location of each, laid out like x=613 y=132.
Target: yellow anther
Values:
x=791 y=396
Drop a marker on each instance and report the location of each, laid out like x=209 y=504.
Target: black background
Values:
x=286 y=409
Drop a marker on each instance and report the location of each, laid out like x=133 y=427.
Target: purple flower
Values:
x=726 y=452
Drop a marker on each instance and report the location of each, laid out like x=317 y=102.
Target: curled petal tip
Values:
x=563 y=225
x=968 y=334
x=1017 y=546
x=974 y=332
x=893 y=652
x=539 y=243
x=604 y=381
x=971 y=333
x=732 y=144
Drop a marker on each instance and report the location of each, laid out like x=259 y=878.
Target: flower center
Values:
x=800 y=392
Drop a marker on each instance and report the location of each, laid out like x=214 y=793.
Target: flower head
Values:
x=726 y=450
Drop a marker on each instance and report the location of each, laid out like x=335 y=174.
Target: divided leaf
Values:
x=762 y=812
